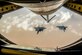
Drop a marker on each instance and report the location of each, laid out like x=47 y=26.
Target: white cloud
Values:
x=75 y=32
x=65 y=16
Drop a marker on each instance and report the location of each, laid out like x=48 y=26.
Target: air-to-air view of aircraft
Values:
x=39 y=29
x=44 y=8
x=62 y=28
x=41 y=7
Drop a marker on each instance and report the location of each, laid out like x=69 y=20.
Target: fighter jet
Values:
x=62 y=28
x=39 y=29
